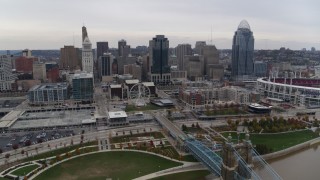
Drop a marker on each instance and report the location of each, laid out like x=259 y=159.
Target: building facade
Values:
x=6 y=76
x=87 y=56
x=133 y=69
x=194 y=66
x=123 y=49
x=182 y=50
x=105 y=64
x=159 y=56
x=242 y=51
x=39 y=71
x=102 y=47
x=82 y=87
x=70 y=58
x=48 y=93
x=25 y=64
x=211 y=56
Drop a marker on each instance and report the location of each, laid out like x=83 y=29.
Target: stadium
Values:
x=298 y=91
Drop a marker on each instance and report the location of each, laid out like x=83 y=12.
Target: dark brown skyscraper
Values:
x=84 y=33
x=70 y=58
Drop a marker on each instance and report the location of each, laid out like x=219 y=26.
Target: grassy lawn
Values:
x=24 y=170
x=189 y=158
x=59 y=151
x=190 y=175
x=115 y=165
x=143 y=108
x=278 y=141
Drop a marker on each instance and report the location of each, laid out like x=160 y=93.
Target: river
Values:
x=301 y=165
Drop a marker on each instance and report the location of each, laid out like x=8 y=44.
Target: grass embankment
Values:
x=115 y=165
x=190 y=175
x=278 y=141
x=24 y=170
x=59 y=151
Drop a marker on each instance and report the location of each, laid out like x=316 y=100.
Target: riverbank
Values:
x=290 y=150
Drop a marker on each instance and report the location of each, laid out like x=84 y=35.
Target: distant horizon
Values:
x=38 y=24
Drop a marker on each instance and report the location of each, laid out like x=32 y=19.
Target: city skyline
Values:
x=53 y=24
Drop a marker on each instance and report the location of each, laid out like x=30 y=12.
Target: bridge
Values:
x=238 y=161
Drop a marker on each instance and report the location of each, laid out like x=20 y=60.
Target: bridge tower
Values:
x=231 y=167
x=245 y=151
x=229 y=164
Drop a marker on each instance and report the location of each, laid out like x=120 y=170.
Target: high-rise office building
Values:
x=125 y=61
x=182 y=50
x=87 y=56
x=6 y=76
x=123 y=49
x=211 y=56
x=82 y=87
x=105 y=64
x=242 y=51
x=199 y=47
x=84 y=33
x=70 y=58
x=159 y=56
x=194 y=66
x=102 y=47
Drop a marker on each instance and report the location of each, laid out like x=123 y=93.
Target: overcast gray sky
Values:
x=50 y=24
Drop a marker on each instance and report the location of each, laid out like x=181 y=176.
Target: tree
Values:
x=15 y=146
x=184 y=127
x=27 y=143
x=198 y=126
x=7 y=156
x=192 y=125
x=39 y=140
x=22 y=152
x=263 y=149
x=71 y=142
x=1 y=151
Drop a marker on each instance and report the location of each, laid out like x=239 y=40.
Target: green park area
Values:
x=59 y=151
x=276 y=142
x=190 y=175
x=148 y=107
x=24 y=170
x=115 y=165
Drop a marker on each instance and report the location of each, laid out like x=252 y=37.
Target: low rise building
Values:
x=117 y=118
x=48 y=93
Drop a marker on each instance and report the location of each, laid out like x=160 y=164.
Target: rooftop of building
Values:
x=49 y=86
x=244 y=25
x=117 y=114
x=132 y=81
x=82 y=75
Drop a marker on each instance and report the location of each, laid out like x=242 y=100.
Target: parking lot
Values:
x=6 y=142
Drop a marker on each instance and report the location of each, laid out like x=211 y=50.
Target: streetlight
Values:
x=238 y=133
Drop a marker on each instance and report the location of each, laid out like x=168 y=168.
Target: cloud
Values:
x=40 y=24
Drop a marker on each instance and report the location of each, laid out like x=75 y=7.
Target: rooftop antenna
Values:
x=211 y=35
x=73 y=38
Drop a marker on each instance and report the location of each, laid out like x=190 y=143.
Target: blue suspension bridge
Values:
x=238 y=161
